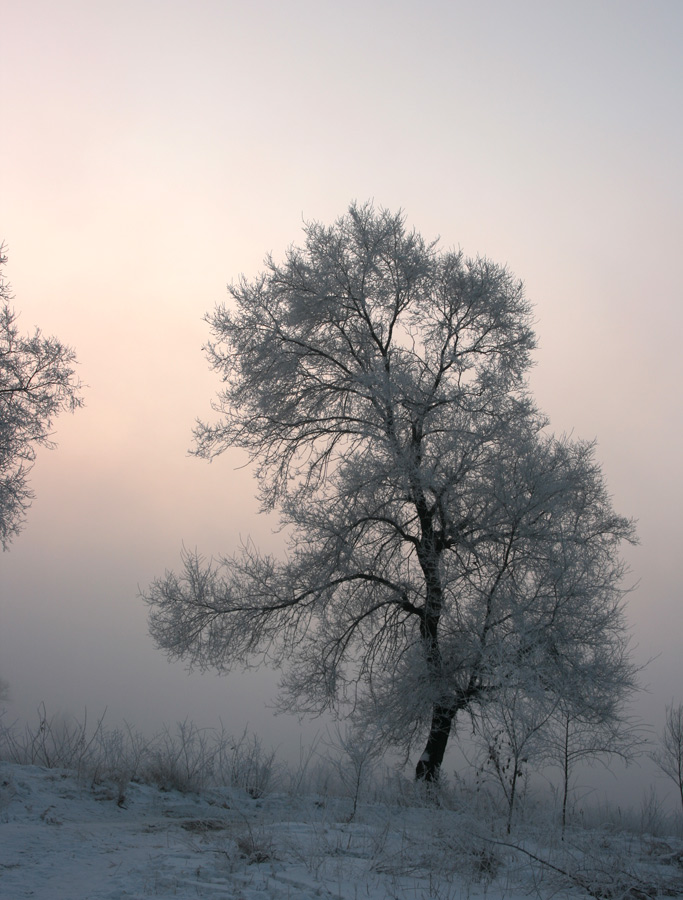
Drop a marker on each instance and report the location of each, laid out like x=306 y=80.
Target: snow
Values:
x=62 y=838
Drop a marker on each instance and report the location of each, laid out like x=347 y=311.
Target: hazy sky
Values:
x=153 y=151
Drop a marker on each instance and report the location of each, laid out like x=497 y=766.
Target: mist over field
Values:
x=154 y=152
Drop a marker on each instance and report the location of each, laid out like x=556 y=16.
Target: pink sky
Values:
x=153 y=151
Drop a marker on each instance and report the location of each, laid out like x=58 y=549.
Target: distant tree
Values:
x=37 y=382
x=438 y=537
x=669 y=755
x=578 y=734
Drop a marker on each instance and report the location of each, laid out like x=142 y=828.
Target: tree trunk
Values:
x=429 y=764
x=511 y=800
x=565 y=774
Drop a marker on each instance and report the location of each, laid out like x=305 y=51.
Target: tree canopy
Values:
x=442 y=543
x=37 y=382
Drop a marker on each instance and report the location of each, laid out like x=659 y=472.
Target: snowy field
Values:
x=67 y=838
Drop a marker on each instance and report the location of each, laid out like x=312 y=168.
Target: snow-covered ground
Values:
x=62 y=838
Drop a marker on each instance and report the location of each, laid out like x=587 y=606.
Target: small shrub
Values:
x=55 y=742
x=245 y=764
x=185 y=760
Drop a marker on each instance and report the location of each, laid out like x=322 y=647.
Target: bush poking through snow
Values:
x=55 y=742
x=185 y=759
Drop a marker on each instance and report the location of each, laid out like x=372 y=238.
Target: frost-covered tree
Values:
x=37 y=382
x=593 y=726
x=439 y=539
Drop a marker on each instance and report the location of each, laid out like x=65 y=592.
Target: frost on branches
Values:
x=37 y=382
x=443 y=546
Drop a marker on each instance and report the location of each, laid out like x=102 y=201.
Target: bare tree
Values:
x=37 y=382
x=578 y=734
x=438 y=537
x=534 y=720
x=669 y=755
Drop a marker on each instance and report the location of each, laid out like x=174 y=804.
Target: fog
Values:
x=154 y=151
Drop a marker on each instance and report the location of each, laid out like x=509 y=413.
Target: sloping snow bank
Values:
x=61 y=839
